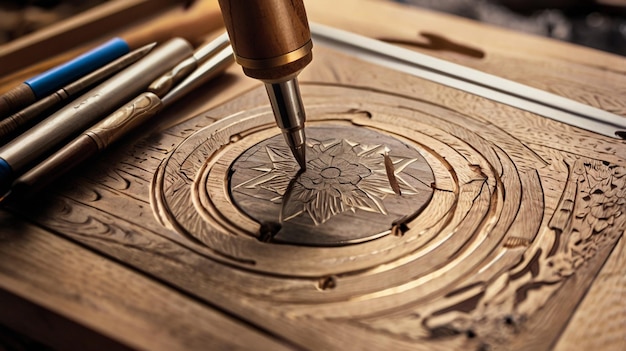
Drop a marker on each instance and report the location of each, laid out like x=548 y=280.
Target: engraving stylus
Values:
x=55 y=78
x=272 y=42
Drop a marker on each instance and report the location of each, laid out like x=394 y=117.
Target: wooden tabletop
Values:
x=99 y=282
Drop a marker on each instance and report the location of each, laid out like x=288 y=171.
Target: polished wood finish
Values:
x=15 y=99
x=270 y=38
x=509 y=253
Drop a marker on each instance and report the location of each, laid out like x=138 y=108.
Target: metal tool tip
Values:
x=300 y=155
x=148 y=47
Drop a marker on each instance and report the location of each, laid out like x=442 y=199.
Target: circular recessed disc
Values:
x=357 y=184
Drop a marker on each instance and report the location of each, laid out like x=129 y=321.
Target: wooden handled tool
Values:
x=270 y=38
x=272 y=42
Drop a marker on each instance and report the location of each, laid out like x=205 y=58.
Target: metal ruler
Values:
x=472 y=81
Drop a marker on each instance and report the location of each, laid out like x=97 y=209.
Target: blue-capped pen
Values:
x=26 y=150
x=213 y=61
x=53 y=79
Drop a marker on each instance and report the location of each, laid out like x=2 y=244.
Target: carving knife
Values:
x=472 y=81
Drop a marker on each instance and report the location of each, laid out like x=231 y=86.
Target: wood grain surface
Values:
x=509 y=253
x=104 y=295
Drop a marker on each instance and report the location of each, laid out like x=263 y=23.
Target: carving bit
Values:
x=272 y=42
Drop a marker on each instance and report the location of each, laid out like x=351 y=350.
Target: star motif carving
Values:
x=341 y=176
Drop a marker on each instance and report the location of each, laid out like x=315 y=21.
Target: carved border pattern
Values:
x=589 y=219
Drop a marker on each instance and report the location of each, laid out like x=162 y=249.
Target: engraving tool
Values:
x=272 y=42
x=23 y=152
x=40 y=109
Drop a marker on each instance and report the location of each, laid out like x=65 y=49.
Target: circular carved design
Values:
x=358 y=182
x=463 y=227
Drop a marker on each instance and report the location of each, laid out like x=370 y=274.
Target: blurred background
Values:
x=599 y=24
x=20 y=17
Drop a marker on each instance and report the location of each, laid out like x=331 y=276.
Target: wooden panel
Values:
x=524 y=213
x=103 y=295
x=36 y=328
x=600 y=320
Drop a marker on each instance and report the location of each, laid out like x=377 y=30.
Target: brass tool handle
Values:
x=90 y=143
x=15 y=99
x=167 y=81
x=271 y=38
x=124 y=119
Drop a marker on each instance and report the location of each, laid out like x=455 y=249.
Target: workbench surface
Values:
x=75 y=273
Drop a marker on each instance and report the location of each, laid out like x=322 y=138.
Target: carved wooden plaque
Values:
x=428 y=218
x=358 y=185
